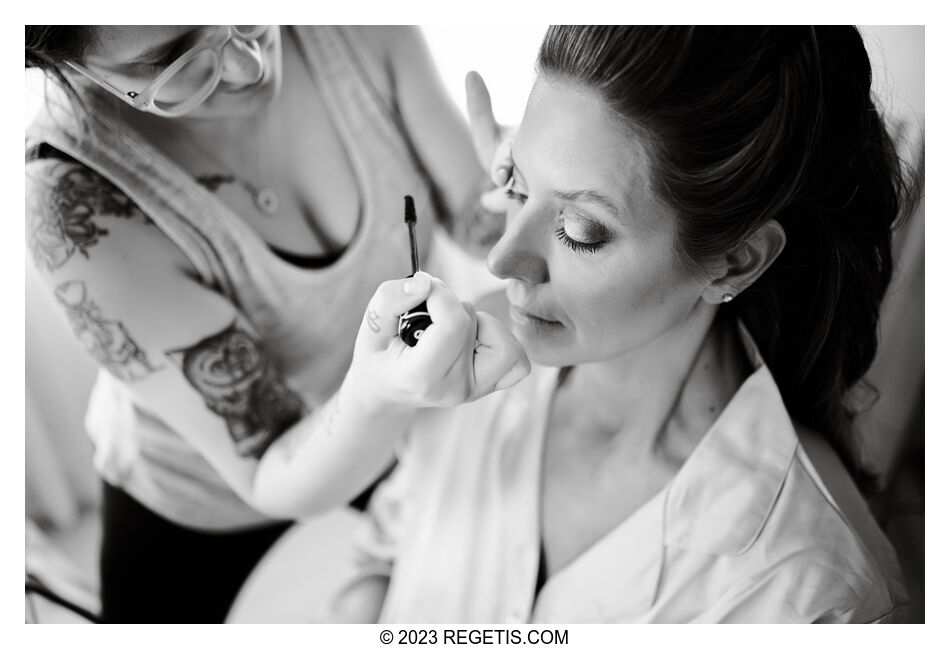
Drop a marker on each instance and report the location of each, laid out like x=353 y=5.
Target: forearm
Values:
x=329 y=456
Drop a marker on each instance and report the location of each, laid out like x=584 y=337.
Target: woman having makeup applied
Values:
x=697 y=246
x=212 y=206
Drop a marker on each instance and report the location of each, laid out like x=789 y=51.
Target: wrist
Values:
x=355 y=397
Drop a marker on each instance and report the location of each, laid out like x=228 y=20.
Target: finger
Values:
x=500 y=360
x=392 y=299
x=481 y=119
x=495 y=201
x=518 y=371
x=461 y=366
x=458 y=379
x=501 y=165
x=442 y=342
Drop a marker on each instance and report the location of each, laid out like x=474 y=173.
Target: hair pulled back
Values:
x=747 y=124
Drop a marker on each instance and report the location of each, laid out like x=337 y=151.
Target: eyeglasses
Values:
x=190 y=79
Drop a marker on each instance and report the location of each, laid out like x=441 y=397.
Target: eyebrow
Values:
x=589 y=196
x=580 y=195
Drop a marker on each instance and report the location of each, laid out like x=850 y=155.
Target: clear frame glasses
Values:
x=190 y=79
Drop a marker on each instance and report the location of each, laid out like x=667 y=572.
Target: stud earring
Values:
x=727 y=297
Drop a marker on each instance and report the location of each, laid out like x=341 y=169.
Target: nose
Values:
x=520 y=251
x=242 y=62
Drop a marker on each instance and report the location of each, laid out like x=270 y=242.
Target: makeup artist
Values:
x=212 y=207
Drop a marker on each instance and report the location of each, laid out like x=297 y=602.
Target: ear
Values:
x=738 y=269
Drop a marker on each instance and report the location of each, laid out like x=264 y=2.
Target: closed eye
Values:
x=577 y=246
x=163 y=59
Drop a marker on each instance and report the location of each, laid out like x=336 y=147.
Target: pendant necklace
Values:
x=263 y=197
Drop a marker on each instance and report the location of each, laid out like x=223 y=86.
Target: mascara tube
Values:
x=414 y=321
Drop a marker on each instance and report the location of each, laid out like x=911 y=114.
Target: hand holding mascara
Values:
x=466 y=353
x=414 y=321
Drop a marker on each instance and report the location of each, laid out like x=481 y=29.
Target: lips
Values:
x=520 y=316
x=530 y=313
x=522 y=304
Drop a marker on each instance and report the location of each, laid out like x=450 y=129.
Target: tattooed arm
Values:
x=187 y=355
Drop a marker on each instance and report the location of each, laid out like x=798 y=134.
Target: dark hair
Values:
x=49 y=46
x=747 y=124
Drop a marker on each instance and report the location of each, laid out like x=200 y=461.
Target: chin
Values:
x=241 y=103
x=546 y=352
x=561 y=348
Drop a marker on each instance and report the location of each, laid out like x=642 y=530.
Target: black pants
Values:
x=153 y=570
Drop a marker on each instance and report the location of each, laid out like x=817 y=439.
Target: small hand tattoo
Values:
x=372 y=319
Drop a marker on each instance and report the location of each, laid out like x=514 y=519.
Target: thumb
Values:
x=391 y=300
x=481 y=119
x=514 y=376
x=495 y=201
x=502 y=162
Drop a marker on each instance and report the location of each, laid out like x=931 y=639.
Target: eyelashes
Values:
x=172 y=54
x=574 y=244
x=159 y=66
x=560 y=233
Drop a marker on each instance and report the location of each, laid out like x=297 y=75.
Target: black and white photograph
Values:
x=474 y=333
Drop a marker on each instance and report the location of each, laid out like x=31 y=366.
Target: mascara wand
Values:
x=413 y=322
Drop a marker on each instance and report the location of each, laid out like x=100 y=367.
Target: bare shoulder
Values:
x=127 y=290
x=386 y=40
x=74 y=213
x=93 y=246
x=398 y=47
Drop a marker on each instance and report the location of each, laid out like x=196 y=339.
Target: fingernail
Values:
x=418 y=283
x=501 y=175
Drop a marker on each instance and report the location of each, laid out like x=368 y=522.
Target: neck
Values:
x=662 y=396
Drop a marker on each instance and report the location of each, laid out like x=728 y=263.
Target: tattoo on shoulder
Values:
x=107 y=340
x=65 y=223
x=211 y=182
x=240 y=384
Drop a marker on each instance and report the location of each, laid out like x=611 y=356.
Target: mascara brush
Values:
x=414 y=321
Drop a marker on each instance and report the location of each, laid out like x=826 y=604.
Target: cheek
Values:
x=627 y=297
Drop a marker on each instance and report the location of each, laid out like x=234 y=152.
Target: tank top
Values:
x=307 y=318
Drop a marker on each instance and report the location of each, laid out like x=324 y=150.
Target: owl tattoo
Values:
x=240 y=384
